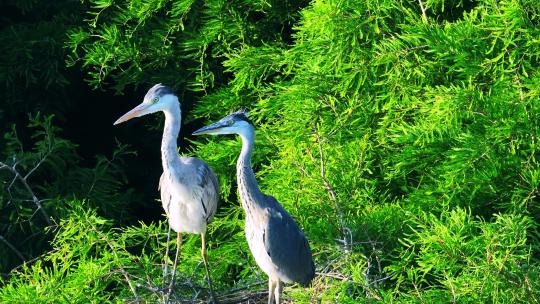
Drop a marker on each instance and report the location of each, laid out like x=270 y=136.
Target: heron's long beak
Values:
x=139 y=110
x=211 y=129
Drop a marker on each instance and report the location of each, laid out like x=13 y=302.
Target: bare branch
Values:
x=337 y=276
x=346 y=232
x=19 y=254
x=18 y=176
x=381 y=279
x=122 y=270
x=244 y=297
x=418 y=293
x=424 y=16
x=248 y=286
x=29 y=262
x=38 y=164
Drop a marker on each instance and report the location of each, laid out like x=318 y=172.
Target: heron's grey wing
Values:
x=287 y=245
x=165 y=193
x=209 y=185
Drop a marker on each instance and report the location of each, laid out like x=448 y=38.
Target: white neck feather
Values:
x=169 y=148
x=247 y=183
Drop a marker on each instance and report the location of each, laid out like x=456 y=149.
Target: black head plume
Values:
x=159 y=90
x=241 y=114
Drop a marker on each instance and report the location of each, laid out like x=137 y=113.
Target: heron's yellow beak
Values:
x=139 y=110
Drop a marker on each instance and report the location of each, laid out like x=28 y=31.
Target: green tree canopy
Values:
x=403 y=136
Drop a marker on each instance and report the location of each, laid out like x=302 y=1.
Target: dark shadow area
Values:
x=88 y=122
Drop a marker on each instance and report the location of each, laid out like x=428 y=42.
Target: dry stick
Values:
x=12 y=248
x=366 y=276
x=381 y=279
x=28 y=262
x=418 y=293
x=38 y=164
x=330 y=190
x=23 y=181
x=520 y=84
x=337 y=276
x=248 y=286
x=243 y=297
x=122 y=270
x=201 y=69
x=424 y=16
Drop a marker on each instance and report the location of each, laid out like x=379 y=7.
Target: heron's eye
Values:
x=230 y=122
x=155 y=99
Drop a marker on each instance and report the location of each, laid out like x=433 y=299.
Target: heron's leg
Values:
x=206 y=267
x=271 y=288
x=166 y=260
x=178 y=245
x=278 y=289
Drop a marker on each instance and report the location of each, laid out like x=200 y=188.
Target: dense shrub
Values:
x=402 y=136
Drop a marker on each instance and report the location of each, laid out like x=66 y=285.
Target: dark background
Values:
x=84 y=114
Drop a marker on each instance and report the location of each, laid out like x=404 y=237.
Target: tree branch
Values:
x=244 y=297
x=22 y=179
x=19 y=254
x=424 y=16
x=122 y=270
x=337 y=276
x=249 y=286
x=332 y=193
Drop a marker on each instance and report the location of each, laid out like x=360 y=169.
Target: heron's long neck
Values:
x=169 y=148
x=250 y=194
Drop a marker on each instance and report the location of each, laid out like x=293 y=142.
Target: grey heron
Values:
x=189 y=188
x=278 y=245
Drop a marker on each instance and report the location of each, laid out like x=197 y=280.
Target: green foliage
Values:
x=32 y=37
x=174 y=42
x=37 y=184
x=402 y=136
x=457 y=258
x=374 y=107
x=89 y=262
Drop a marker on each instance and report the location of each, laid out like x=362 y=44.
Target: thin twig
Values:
x=329 y=264
x=122 y=270
x=28 y=262
x=336 y=276
x=243 y=297
x=381 y=279
x=249 y=286
x=418 y=293
x=19 y=254
x=332 y=193
x=201 y=69
x=38 y=164
x=424 y=16
x=25 y=184
x=151 y=288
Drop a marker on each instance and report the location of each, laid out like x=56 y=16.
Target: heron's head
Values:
x=235 y=123
x=158 y=98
